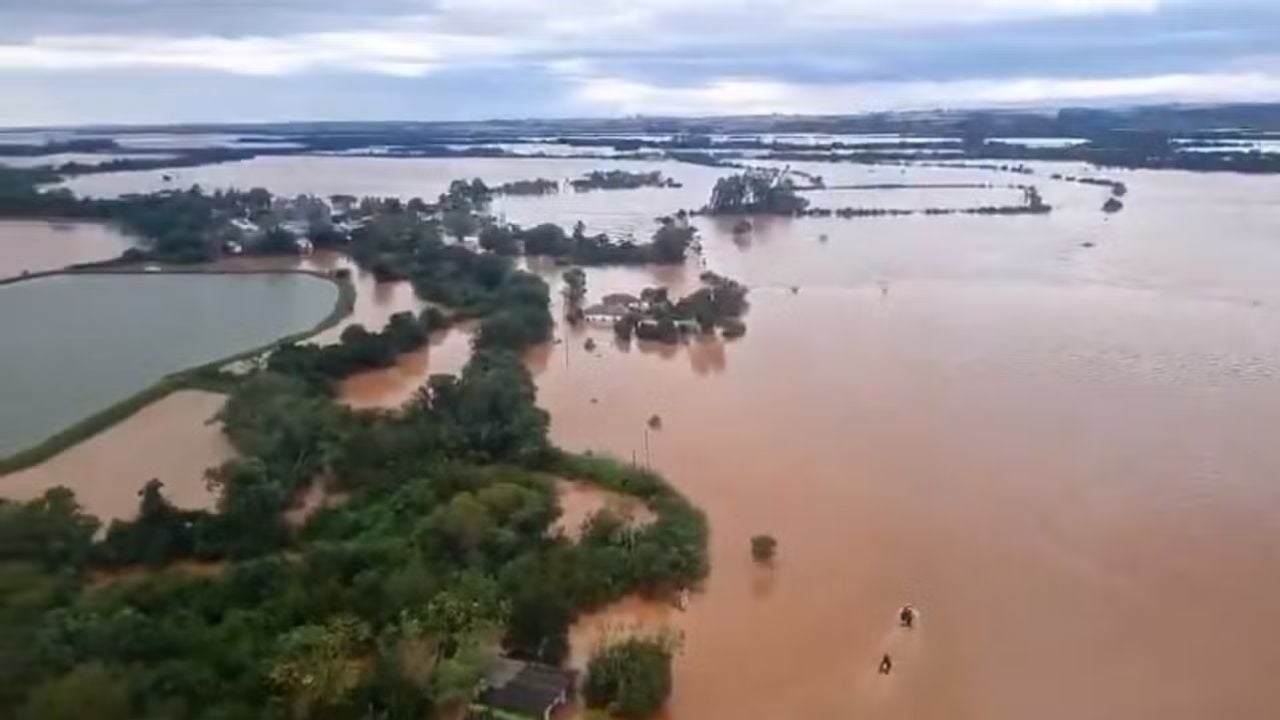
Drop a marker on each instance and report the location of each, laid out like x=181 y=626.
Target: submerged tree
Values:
x=757 y=190
x=631 y=678
x=575 y=292
x=763 y=548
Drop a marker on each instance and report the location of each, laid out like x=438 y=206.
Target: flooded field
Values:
x=327 y=175
x=56 y=159
x=1050 y=434
x=97 y=339
x=173 y=440
x=38 y=245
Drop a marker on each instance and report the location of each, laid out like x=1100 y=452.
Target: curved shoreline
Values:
x=180 y=379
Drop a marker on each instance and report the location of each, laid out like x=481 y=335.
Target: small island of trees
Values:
x=763 y=191
x=537 y=186
x=720 y=303
x=669 y=244
x=621 y=180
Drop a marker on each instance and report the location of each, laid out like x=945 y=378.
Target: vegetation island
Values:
x=773 y=191
x=719 y=304
x=432 y=586
x=621 y=180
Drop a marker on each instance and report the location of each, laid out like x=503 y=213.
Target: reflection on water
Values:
x=1060 y=454
x=39 y=245
x=171 y=440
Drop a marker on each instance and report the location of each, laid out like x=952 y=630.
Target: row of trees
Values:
x=669 y=244
x=358 y=349
x=621 y=180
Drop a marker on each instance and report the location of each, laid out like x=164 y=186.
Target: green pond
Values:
x=74 y=345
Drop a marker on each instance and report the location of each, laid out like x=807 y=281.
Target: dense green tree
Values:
x=763 y=548
x=250 y=504
x=757 y=190
x=545 y=239
x=159 y=533
x=499 y=239
x=319 y=667
x=460 y=222
x=86 y=691
x=51 y=530
x=630 y=678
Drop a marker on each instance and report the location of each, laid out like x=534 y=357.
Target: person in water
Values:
x=886 y=664
x=907 y=616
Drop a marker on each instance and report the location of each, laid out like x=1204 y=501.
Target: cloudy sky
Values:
x=88 y=61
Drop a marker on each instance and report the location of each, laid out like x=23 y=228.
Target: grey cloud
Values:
x=23 y=19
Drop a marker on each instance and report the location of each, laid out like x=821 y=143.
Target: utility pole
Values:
x=647 y=465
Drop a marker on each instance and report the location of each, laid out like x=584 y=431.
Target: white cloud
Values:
x=748 y=96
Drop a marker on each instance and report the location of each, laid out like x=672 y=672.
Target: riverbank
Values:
x=204 y=376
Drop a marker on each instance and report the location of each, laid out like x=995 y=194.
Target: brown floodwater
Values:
x=172 y=440
x=446 y=352
x=580 y=501
x=1060 y=454
x=1056 y=452
x=41 y=245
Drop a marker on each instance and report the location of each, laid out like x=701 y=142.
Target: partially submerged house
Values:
x=624 y=300
x=529 y=691
x=604 y=314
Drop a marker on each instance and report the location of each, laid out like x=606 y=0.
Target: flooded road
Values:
x=1051 y=434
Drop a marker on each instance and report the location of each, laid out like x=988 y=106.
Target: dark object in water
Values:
x=907 y=616
x=886 y=664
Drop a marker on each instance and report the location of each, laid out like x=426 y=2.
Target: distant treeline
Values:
x=621 y=180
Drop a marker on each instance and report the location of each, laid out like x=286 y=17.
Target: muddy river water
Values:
x=1061 y=454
